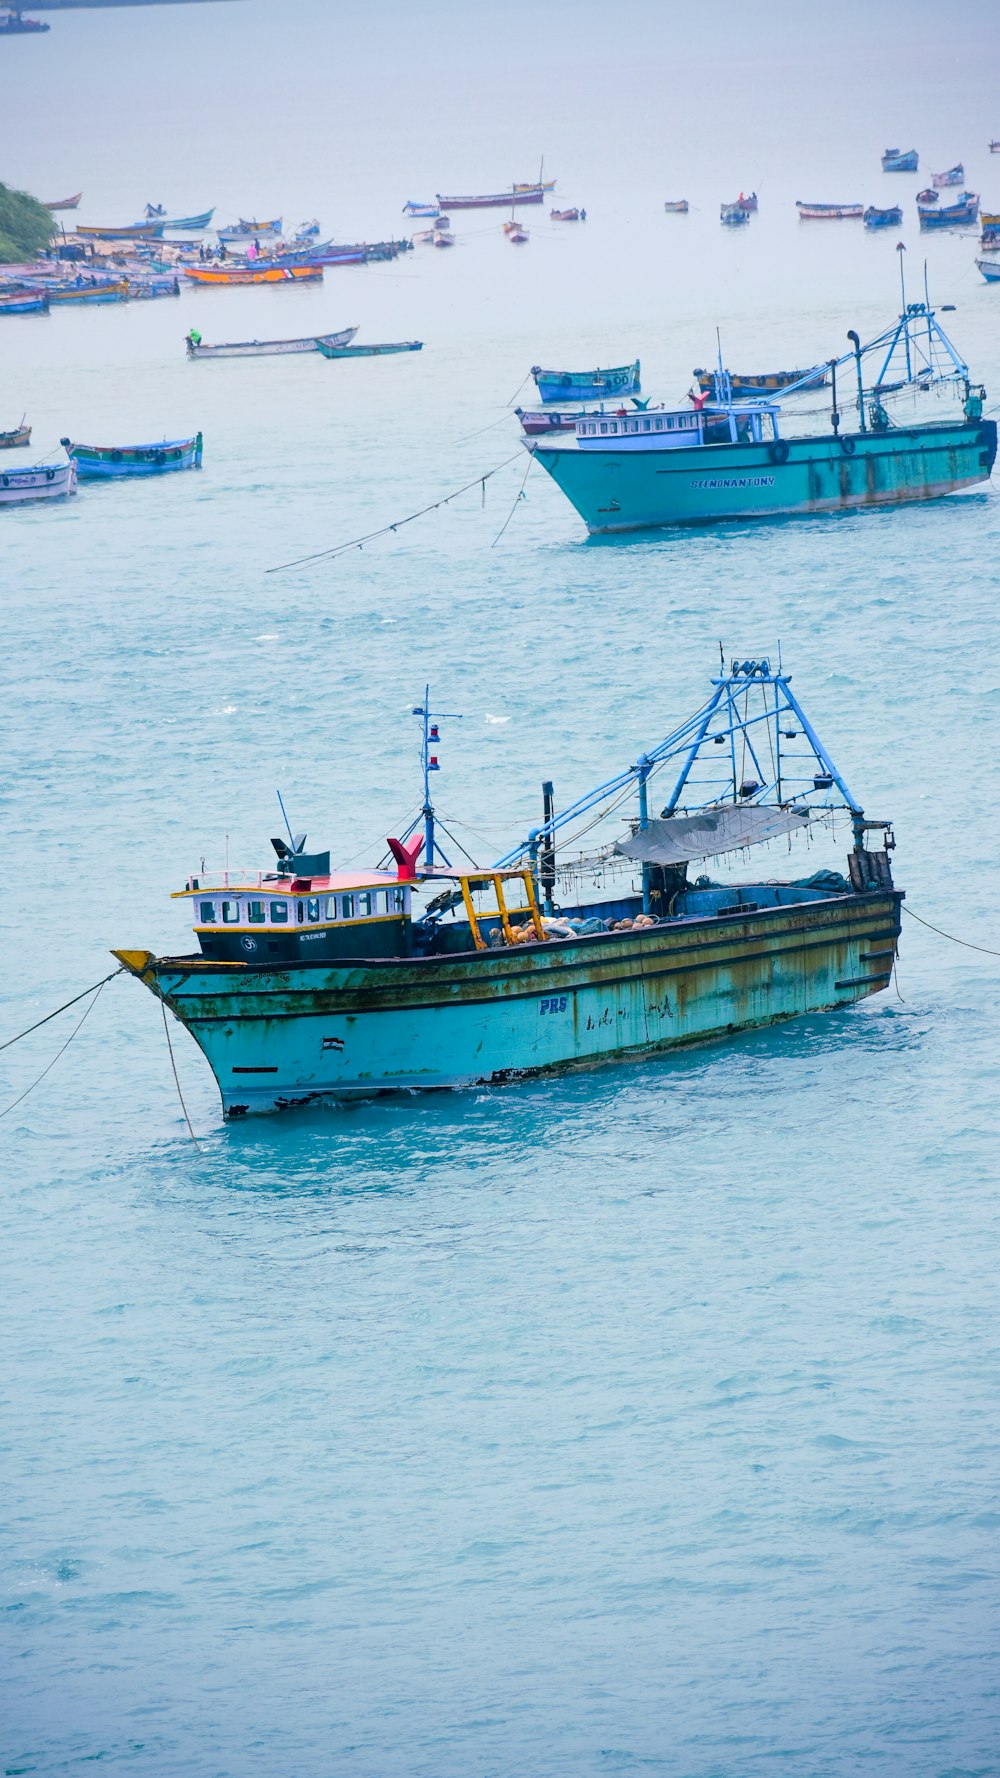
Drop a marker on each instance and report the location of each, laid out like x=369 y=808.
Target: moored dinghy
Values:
x=733 y=215
x=113 y=462
x=586 y=385
x=15 y=438
x=251 y=274
x=829 y=212
x=763 y=383
x=378 y=351
x=266 y=348
x=43 y=481
x=990 y=269
x=874 y=218
x=894 y=161
x=954 y=176
x=311 y=983
x=65 y=203
x=676 y=206
x=964 y=209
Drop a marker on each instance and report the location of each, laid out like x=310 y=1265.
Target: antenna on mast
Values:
x=431 y=739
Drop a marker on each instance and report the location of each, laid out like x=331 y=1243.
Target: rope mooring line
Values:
x=96 y=990
x=64 y=1008
x=177 y=1083
x=950 y=936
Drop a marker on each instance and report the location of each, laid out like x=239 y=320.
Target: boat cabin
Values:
x=278 y=917
x=680 y=428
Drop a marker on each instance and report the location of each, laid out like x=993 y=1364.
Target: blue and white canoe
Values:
x=990 y=269
x=875 y=218
x=586 y=385
x=112 y=462
x=896 y=161
x=413 y=207
x=154 y=213
x=43 y=481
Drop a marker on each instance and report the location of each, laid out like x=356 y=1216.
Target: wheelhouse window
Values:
x=279 y=913
x=255 y=913
x=231 y=912
x=207 y=912
x=364 y=904
x=347 y=903
x=397 y=900
x=331 y=908
x=313 y=909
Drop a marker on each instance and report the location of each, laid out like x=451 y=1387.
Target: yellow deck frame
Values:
x=498 y=878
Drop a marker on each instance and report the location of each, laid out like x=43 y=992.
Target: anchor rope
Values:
x=96 y=990
x=338 y=549
x=177 y=1082
x=64 y=1008
x=950 y=936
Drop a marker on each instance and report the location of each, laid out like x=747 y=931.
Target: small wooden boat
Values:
x=733 y=215
x=267 y=348
x=765 y=383
x=829 y=212
x=954 y=176
x=676 y=206
x=114 y=462
x=534 y=185
x=136 y=231
x=517 y=234
x=928 y=196
x=442 y=237
x=244 y=231
x=144 y=288
x=494 y=200
x=65 y=203
x=329 y=351
x=990 y=269
x=413 y=207
x=26 y=302
x=425 y=237
x=45 y=481
x=995 y=147
x=894 y=161
x=750 y=204
x=251 y=274
x=874 y=218
x=965 y=209
x=15 y=438
x=94 y=290
x=586 y=385
x=564 y=215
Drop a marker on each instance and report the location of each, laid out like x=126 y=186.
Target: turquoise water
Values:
x=642 y=1420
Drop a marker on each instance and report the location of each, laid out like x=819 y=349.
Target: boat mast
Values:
x=431 y=739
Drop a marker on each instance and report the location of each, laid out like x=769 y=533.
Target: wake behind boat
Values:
x=265 y=348
x=312 y=983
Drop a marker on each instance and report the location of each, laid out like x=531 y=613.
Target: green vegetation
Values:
x=25 y=226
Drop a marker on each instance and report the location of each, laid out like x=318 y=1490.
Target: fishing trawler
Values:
x=314 y=983
x=728 y=458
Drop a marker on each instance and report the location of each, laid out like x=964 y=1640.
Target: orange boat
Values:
x=264 y=274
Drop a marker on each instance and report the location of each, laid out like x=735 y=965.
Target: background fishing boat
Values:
x=896 y=161
x=928 y=196
x=751 y=203
x=586 y=385
x=495 y=200
x=43 y=481
x=27 y=302
x=268 y=348
x=766 y=383
x=442 y=237
x=413 y=207
x=517 y=234
x=676 y=206
x=829 y=212
x=14 y=24
x=190 y=223
x=65 y=203
x=251 y=274
x=381 y=351
x=564 y=215
x=874 y=218
x=990 y=269
x=965 y=209
x=115 y=462
x=15 y=438
x=954 y=176
x=733 y=215
x=538 y=423
x=91 y=290
x=244 y=232
x=135 y=231
x=145 y=286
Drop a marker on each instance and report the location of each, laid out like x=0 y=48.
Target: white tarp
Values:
x=710 y=832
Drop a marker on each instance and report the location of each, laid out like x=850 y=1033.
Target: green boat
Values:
x=331 y=351
x=312 y=984
x=728 y=459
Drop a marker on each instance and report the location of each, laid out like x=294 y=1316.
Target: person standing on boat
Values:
x=193 y=339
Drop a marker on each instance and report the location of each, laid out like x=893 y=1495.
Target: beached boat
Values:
x=829 y=212
x=954 y=176
x=331 y=351
x=251 y=274
x=15 y=438
x=135 y=231
x=874 y=218
x=413 y=207
x=43 y=481
x=586 y=385
x=765 y=383
x=733 y=215
x=145 y=286
x=729 y=460
x=990 y=269
x=89 y=290
x=113 y=462
x=310 y=983
x=65 y=203
x=676 y=206
x=564 y=215
x=266 y=348
x=965 y=209
x=496 y=200
x=894 y=161
x=24 y=302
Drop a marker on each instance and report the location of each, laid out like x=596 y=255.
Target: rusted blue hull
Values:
x=279 y=1037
